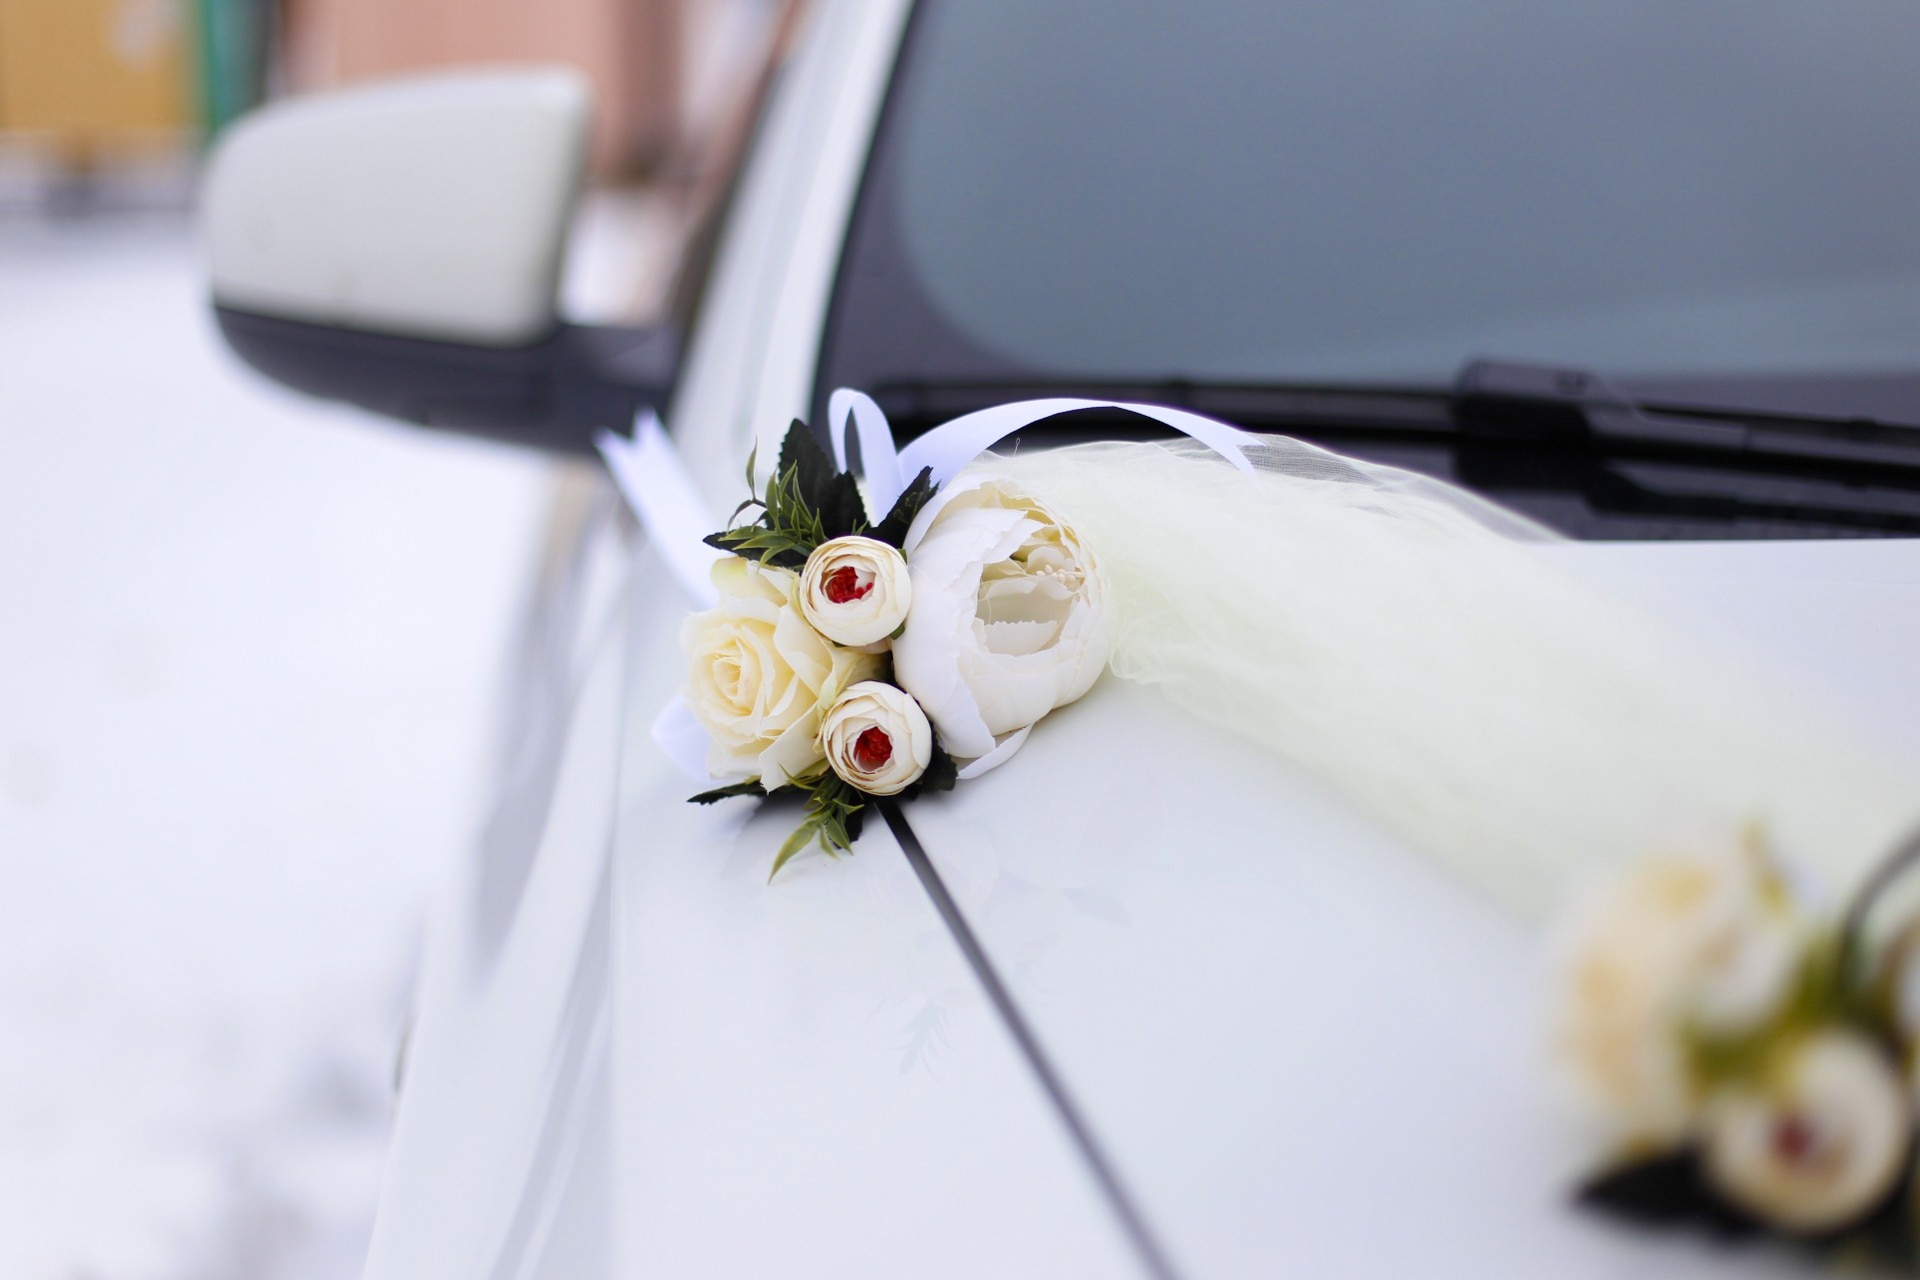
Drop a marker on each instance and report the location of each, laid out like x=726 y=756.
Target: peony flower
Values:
x=1009 y=616
x=855 y=591
x=877 y=738
x=760 y=677
x=1703 y=943
x=1821 y=1143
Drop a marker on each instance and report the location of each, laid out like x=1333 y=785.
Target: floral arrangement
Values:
x=1755 y=1059
x=851 y=659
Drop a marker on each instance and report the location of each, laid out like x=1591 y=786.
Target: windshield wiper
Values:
x=1559 y=443
x=1544 y=403
x=1490 y=400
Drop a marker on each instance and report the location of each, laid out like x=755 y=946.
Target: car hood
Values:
x=1283 y=1042
x=1307 y=1049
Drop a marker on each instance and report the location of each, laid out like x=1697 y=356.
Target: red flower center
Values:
x=844 y=584
x=1795 y=1140
x=872 y=749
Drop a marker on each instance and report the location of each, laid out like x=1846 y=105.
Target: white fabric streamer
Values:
x=1409 y=644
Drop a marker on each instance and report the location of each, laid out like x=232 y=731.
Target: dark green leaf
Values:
x=840 y=508
x=941 y=774
x=1666 y=1191
x=751 y=787
x=756 y=542
x=893 y=529
x=809 y=465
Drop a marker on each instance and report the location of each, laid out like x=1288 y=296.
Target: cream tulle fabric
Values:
x=1415 y=648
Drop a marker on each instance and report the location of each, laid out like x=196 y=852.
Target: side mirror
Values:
x=399 y=247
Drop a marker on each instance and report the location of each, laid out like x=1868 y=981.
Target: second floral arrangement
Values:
x=852 y=658
x=1754 y=1057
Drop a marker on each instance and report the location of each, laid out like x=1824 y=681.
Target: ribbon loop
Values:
x=952 y=445
x=854 y=411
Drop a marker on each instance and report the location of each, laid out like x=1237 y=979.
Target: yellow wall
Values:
x=92 y=76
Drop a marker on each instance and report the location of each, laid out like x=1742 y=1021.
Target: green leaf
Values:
x=892 y=530
x=756 y=542
x=803 y=835
x=789 y=516
x=751 y=787
x=834 y=816
x=808 y=483
x=802 y=458
x=1670 y=1189
x=840 y=508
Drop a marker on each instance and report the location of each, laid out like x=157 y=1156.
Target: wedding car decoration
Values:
x=852 y=658
x=1753 y=1058
x=1421 y=652
x=1425 y=655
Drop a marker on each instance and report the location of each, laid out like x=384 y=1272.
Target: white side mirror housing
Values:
x=435 y=207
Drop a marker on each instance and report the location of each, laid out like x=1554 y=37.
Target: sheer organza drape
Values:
x=1413 y=646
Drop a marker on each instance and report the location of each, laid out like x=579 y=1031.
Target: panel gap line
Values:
x=1132 y=1222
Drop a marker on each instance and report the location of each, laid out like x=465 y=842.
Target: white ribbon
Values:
x=945 y=450
x=656 y=484
x=879 y=457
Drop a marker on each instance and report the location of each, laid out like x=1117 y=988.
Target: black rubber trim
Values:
x=551 y=393
x=1132 y=1221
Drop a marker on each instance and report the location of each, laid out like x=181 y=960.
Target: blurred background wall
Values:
x=633 y=50
x=111 y=100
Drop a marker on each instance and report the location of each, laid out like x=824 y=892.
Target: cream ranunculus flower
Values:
x=855 y=591
x=877 y=738
x=1821 y=1143
x=1009 y=617
x=760 y=677
x=1702 y=942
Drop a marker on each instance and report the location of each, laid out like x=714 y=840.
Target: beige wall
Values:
x=629 y=48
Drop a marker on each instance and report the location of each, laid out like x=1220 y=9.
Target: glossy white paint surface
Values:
x=504 y=1071
x=1837 y=617
x=1311 y=1052
x=807 y=1078
x=435 y=207
x=810 y=1082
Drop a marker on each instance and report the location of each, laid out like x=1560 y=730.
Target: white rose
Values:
x=1009 y=617
x=855 y=591
x=1821 y=1143
x=760 y=677
x=877 y=738
x=1706 y=942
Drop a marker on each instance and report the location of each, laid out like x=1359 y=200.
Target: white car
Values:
x=1145 y=1003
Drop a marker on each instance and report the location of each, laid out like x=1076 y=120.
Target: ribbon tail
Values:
x=656 y=484
x=1003 y=749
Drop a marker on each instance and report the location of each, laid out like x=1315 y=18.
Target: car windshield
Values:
x=1375 y=191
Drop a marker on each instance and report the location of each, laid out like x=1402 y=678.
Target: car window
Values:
x=1719 y=196
x=1380 y=189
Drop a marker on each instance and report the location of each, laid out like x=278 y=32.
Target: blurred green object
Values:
x=234 y=41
